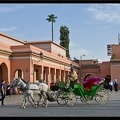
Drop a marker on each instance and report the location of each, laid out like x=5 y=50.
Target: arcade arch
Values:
x=19 y=74
x=3 y=72
x=87 y=76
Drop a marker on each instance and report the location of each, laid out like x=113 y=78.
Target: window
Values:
x=19 y=74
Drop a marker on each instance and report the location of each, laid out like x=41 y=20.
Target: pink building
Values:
x=23 y=59
x=47 y=60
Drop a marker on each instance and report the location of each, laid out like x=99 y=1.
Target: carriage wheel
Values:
x=88 y=99
x=102 y=96
x=71 y=99
x=61 y=98
x=82 y=99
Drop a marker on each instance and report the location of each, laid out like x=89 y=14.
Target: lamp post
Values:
x=41 y=57
x=70 y=65
x=35 y=62
x=81 y=57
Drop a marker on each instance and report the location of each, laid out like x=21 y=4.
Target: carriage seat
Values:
x=73 y=82
x=87 y=85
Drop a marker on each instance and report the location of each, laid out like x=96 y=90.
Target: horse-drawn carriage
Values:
x=89 y=90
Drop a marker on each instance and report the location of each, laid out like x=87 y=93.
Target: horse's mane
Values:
x=25 y=81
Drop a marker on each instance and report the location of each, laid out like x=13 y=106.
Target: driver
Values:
x=72 y=78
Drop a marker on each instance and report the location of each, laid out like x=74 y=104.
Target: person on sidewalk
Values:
x=2 y=92
x=8 y=89
x=111 y=85
x=115 y=83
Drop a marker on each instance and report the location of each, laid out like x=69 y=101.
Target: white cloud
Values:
x=6 y=9
x=14 y=7
x=19 y=6
x=5 y=29
x=11 y=7
x=78 y=52
x=105 y=12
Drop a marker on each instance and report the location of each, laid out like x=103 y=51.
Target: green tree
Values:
x=64 y=39
x=51 y=18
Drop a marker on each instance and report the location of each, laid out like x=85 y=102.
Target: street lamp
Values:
x=70 y=65
x=41 y=55
x=81 y=56
x=81 y=66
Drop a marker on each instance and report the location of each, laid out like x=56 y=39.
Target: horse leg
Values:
x=29 y=100
x=45 y=102
x=24 y=101
x=31 y=95
x=40 y=97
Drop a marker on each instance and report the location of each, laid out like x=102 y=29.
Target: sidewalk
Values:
x=17 y=99
x=113 y=95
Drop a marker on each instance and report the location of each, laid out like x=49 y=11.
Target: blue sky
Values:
x=92 y=26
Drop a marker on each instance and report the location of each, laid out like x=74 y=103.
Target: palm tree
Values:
x=51 y=18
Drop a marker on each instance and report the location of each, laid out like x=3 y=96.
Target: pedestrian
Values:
x=2 y=92
x=8 y=89
x=115 y=83
x=110 y=84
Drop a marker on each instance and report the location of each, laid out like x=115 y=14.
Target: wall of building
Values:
x=8 y=40
x=104 y=69
x=16 y=54
x=115 y=51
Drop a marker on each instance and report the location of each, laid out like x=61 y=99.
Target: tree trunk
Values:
x=52 y=31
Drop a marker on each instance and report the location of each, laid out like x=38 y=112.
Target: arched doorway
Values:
x=3 y=72
x=87 y=76
x=18 y=73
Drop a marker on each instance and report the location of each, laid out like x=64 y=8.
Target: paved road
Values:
x=111 y=108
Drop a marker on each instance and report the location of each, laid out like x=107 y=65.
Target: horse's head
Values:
x=15 y=82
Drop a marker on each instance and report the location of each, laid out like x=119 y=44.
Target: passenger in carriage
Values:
x=72 y=78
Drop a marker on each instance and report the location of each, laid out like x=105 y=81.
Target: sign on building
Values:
x=118 y=38
x=109 y=50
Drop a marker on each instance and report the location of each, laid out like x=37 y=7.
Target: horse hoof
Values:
x=43 y=105
x=22 y=106
x=35 y=106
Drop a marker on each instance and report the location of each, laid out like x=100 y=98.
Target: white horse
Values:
x=30 y=89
